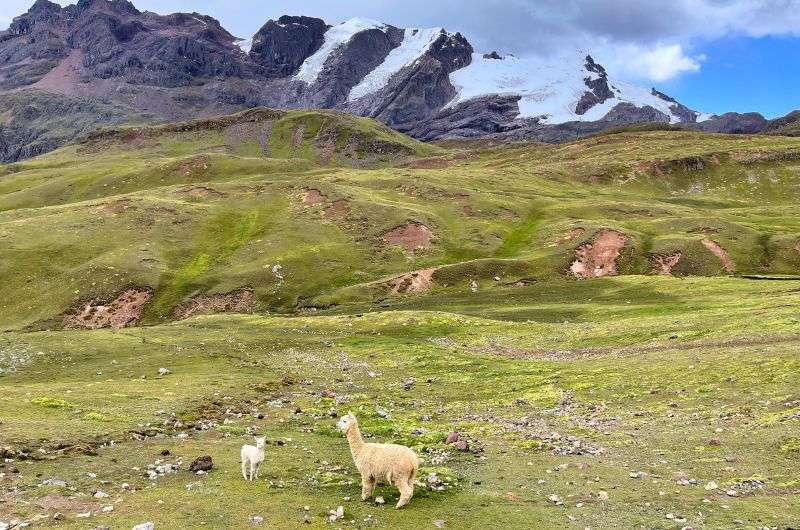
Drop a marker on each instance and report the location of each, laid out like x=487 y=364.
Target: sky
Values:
x=712 y=55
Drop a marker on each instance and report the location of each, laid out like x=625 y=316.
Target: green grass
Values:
x=564 y=387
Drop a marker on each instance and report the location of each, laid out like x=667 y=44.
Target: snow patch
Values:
x=245 y=45
x=549 y=88
x=415 y=43
x=334 y=38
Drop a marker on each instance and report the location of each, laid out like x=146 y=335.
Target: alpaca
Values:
x=380 y=463
x=252 y=457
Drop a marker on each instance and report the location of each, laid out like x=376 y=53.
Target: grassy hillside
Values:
x=587 y=316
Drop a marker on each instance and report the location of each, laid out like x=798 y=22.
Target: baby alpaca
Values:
x=380 y=463
x=252 y=457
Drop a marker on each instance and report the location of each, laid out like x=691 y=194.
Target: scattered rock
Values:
x=452 y=438
x=121 y=312
x=163 y=371
x=711 y=486
x=439 y=523
x=380 y=501
x=145 y=526
x=257 y=520
x=462 y=445
x=201 y=463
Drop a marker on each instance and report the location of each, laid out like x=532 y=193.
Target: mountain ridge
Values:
x=428 y=83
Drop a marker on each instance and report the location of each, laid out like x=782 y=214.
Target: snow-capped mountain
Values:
x=428 y=83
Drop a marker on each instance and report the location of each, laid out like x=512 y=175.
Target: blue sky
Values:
x=713 y=55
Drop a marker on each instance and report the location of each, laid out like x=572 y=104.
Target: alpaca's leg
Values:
x=244 y=468
x=367 y=487
x=258 y=470
x=406 y=488
x=252 y=471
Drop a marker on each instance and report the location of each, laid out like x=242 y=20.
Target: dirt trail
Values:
x=599 y=258
x=663 y=264
x=721 y=253
x=121 y=312
x=411 y=236
x=518 y=353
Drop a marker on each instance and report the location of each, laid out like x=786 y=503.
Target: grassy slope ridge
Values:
x=605 y=403
x=213 y=206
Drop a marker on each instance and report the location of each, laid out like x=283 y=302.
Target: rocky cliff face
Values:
x=106 y=54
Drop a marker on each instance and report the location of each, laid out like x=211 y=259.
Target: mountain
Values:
x=104 y=62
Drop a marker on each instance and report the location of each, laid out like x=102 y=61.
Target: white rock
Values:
x=163 y=371
x=603 y=495
x=145 y=526
x=107 y=509
x=711 y=486
x=100 y=495
x=257 y=520
x=83 y=515
x=380 y=500
x=555 y=499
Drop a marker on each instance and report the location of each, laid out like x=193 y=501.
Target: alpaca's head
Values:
x=346 y=422
x=261 y=442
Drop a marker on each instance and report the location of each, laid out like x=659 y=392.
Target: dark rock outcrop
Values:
x=598 y=92
x=282 y=45
x=734 y=123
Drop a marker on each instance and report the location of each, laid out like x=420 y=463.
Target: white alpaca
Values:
x=380 y=463
x=252 y=458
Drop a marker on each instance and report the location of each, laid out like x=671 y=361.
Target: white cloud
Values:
x=658 y=63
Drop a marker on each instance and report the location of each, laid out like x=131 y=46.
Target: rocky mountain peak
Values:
x=107 y=6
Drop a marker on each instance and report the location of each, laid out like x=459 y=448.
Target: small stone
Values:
x=438 y=523
x=380 y=500
x=165 y=452
x=163 y=371
x=145 y=526
x=603 y=495
x=257 y=520
x=555 y=499
x=731 y=493
x=100 y=495
x=711 y=486
x=452 y=438
x=107 y=509
x=201 y=463
x=462 y=445
x=58 y=516
x=715 y=442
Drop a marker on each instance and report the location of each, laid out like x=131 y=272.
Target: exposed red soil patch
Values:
x=121 y=312
x=663 y=264
x=411 y=236
x=337 y=210
x=721 y=253
x=201 y=192
x=572 y=235
x=599 y=258
x=196 y=164
x=313 y=197
x=467 y=210
x=411 y=283
x=115 y=207
x=233 y=302
x=65 y=77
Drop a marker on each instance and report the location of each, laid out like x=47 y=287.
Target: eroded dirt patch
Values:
x=412 y=282
x=201 y=192
x=113 y=208
x=412 y=236
x=196 y=164
x=65 y=77
x=663 y=264
x=313 y=197
x=598 y=258
x=337 y=210
x=720 y=253
x=233 y=302
x=121 y=312
x=60 y=503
